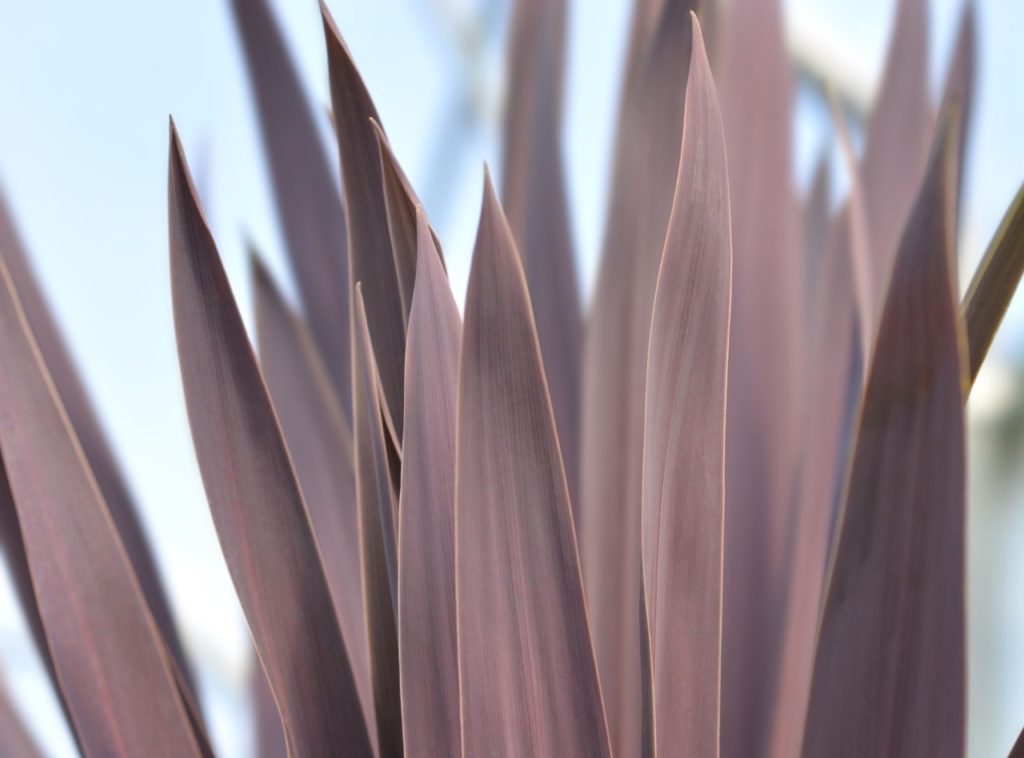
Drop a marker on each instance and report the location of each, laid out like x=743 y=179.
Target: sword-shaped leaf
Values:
x=534 y=196
x=15 y=740
x=254 y=498
x=684 y=433
x=615 y=360
x=889 y=667
x=527 y=674
x=320 y=447
x=426 y=533
x=378 y=518
x=82 y=416
x=110 y=659
x=369 y=243
x=308 y=204
x=959 y=88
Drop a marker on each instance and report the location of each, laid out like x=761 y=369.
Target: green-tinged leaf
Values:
x=615 y=360
x=378 y=516
x=527 y=674
x=268 y=733
x=994 y=283
x=534 y=196
x=308 y=204
x=888 y=675
x=369 y=244
x=119 y=500
x=896 y=142
x=111 y=662
x=254 y=498
x=766 y=358
x=426 y=535
x=320 y=447
x=15 y=740
x=684 y=433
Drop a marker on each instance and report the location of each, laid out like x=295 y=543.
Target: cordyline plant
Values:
x=722 y=514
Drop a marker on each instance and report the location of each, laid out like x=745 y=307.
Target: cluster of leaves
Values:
x=723 y=513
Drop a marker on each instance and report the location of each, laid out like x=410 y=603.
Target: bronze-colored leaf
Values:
x=369 y=243
x=959 y=88
x=257 y=508
x=378 y=517
x=527 y=674
x=615 y=360
x=82 y=416
x=896 y=142
x=994 y=283
x=308 y=204
x=889 y=666
x=426 y=534
x=15 y=740
x=684 y=433
x=534 y=196
x=320 y=447
x=111 y=662
x=766 y=358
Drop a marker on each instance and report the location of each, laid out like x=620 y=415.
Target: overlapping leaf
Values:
x=320 y=447
x=615 y=357
x=684 y=433
x=257 y=508
x=527 y=675
x=534 y=196
x=15 y=741
x=378 y=521
x=426 y=536
x=369 y=244
x=308 y=203
x=889 y=668
x=110 y=660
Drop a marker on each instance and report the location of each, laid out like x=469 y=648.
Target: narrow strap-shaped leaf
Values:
x=527 y=674
x=958 y=91
x=95 y=447
x=896 y=142
x=378 y=539
x=534 y=196
x=889 y=667
x=110 y=660
x=426 y=535
x=320 y=447
x=369 y=243
x=684 y=433
x=254 y=498
x=15 y=740
x=817 y=213
x=308 y=204
x=994 y=283
x=268 y=733
x=766 y=358
x=615 y=360
x=1017 y=751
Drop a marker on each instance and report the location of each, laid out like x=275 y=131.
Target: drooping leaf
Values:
x=534 y=196
x=426 y=533
x=994 y=283
x=308 y=204
x=82 y=416
x=766 y=358
x=684 y=433
x=15 y=740
x=378 y=517
x=111 y=662
x=527 y=675
x=254 y=498
x=320 y=447
x=896 y=141
x=615 y=357
x=889 y=666
x=369 y=244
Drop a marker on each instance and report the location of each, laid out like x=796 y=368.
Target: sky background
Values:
x=85 y=93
